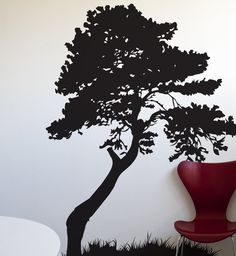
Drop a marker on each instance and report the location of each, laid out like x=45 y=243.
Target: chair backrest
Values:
x=210 y=186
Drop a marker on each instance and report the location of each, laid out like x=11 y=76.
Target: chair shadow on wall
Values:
x=211 y=186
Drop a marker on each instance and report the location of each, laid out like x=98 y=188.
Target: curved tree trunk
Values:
x=78 y=219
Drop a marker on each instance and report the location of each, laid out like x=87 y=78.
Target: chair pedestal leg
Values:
x=179 y=241
x=182 y=246
x=232 y=238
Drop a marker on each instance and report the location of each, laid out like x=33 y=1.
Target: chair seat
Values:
x=205 y=231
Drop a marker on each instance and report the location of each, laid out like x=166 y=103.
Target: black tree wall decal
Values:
x=118 y=67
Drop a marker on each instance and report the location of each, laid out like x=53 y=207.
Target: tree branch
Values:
x=153 y=118
x=161 y=105
x=150 y=94
x=113 y=155
x=174 y=101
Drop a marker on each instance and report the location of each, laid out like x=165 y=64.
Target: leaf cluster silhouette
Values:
x=118 y=66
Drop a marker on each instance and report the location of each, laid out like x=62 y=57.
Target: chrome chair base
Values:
x=180 y=242
x=233 y=243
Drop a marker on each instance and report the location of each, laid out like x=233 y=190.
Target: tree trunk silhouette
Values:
x=79 y=217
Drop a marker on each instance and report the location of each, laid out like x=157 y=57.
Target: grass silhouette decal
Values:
x=150 y=247
x=118 y=67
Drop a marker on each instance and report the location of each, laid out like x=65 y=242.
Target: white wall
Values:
x=44 y=180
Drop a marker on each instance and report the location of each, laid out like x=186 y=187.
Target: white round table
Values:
x=21 y=237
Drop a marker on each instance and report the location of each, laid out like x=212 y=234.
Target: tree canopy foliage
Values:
x=118 y=66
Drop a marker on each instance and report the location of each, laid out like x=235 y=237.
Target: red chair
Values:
x=210 y=186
